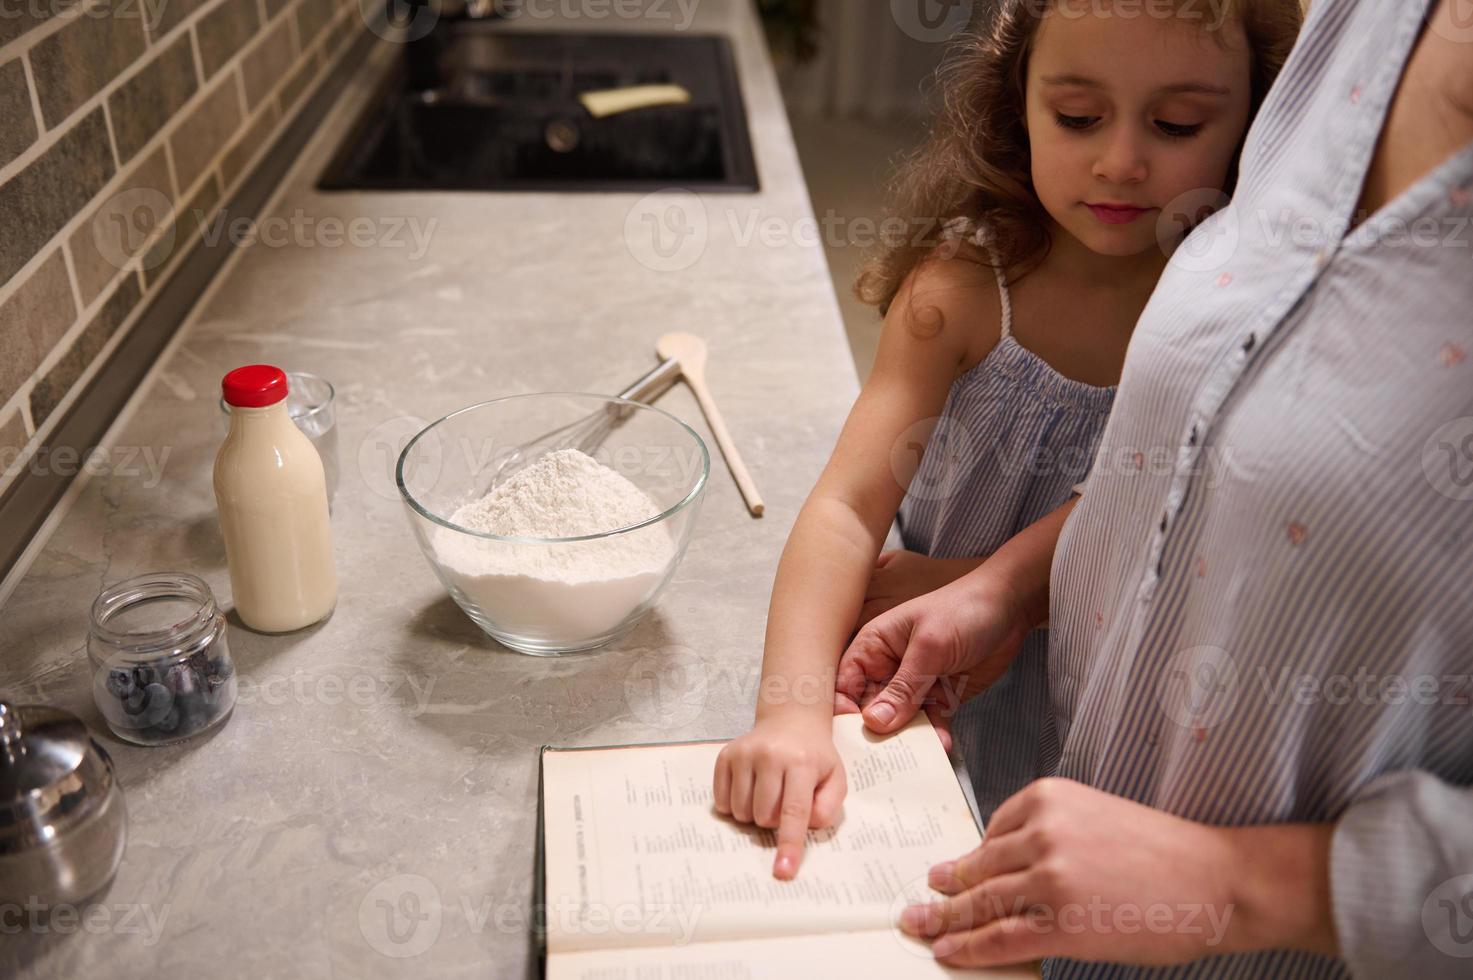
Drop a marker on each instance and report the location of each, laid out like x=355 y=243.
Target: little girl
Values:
x=1077 y=144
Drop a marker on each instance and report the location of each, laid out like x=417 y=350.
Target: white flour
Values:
x=558 y=593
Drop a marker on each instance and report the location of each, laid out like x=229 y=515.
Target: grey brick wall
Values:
x=123 y=125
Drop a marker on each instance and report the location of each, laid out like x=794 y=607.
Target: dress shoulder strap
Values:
x=977 y=233
x=1007 y=302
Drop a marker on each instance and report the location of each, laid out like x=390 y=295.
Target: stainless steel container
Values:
x=62 y=818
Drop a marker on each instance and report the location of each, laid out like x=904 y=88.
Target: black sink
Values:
x=478 y=107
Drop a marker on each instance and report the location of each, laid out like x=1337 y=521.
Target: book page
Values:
x=852 y=954
x=636 y=854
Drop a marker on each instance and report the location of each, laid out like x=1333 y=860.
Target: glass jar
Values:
x=161 y=667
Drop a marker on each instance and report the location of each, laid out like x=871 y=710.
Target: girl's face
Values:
x=1127 y=113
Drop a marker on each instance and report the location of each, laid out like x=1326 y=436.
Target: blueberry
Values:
x=181 y=680
x=169 y=723
x=160 y=703
x=136 y=702
x=120 y=683
x=145 y=675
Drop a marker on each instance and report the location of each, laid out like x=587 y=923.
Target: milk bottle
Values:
x=272 y=498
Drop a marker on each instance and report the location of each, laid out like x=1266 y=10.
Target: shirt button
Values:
x=1248 y=343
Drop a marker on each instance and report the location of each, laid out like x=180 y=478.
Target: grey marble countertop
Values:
x=369 y=809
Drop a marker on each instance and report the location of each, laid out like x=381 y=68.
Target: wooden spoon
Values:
x=690 y=351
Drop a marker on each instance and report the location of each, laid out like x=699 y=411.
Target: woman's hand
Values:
x=932 y=653
x=1071 y=871
x=900 y=576
x=786 y=774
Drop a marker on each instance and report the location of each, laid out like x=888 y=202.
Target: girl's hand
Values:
x=900 y=576
x=933 y=653
x=1071 y=871
x=785 y=774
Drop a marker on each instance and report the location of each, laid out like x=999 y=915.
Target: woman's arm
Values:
x=937 y=651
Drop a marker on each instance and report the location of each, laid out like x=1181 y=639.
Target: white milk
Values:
x=272 y=497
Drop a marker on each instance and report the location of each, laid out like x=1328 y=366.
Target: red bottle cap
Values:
x=254 y=386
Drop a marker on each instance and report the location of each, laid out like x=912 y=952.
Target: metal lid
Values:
x=53 y=776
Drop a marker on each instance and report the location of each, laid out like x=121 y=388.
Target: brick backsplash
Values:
x=124 y=124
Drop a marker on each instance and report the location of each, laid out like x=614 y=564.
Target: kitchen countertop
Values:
x=369 y=809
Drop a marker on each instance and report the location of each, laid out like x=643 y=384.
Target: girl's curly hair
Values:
x=974 y=167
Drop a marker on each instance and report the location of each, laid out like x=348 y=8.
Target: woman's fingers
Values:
x=1013 y=939
x=997 y=856
x=970 y=910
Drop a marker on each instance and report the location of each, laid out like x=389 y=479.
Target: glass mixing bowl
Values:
x=548 y=596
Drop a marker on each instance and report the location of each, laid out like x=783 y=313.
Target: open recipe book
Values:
x=641 y=879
